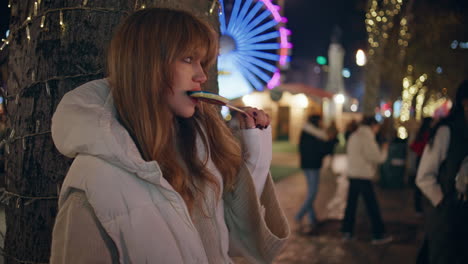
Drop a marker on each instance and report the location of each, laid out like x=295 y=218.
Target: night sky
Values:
x=312 y=23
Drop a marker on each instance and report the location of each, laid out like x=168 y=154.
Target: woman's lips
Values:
x=194 y=100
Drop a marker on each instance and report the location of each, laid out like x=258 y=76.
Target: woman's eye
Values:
x=188 y=59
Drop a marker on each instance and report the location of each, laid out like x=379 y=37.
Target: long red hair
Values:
x=140 y=65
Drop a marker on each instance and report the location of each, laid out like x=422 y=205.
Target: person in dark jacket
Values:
x=314 y=145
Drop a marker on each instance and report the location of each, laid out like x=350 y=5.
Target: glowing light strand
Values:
x=42 y=16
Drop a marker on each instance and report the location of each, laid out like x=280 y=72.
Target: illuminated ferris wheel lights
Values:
x=250 y=15
x=260 y=63
x=260 y=54
x=251 y=45
x=238 y=23
x=254 y=69
x=271 y=35
x=251 y=78
x=283 y=58
x=275 y=80
x=274 y=10
x=284 y=44
x=265 y=14
x=261 y=46
x=258 y=30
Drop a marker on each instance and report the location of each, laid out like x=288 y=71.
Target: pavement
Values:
x=325 y=245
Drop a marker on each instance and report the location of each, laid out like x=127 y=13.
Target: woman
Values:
x=314 y=145
x=417 y=146
x=158 y=176
x=442 y=159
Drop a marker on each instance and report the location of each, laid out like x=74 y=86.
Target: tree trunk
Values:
x=42 y=68
x=371 y=88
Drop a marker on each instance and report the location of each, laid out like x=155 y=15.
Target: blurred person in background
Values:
x=442 y=160
x=337 y=205
x=314 y=144
x=364 y=156
x=417 y=146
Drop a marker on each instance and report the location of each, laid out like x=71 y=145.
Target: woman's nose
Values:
x=200 y=76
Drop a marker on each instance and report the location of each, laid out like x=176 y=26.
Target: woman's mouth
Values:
x=194 y=100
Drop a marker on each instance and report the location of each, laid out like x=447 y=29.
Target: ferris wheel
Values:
x=252 y=46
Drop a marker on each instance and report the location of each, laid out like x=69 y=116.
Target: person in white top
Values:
x=157 y=175
x=364 y=155
x=441 y=162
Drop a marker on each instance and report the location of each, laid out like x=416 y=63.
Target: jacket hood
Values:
x=85 y=122
x=365 y=129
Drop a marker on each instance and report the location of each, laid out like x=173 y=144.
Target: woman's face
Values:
x=188 y=76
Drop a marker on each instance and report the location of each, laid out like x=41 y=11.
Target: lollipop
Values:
x=213 y=98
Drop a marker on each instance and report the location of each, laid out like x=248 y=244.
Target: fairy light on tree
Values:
x=410 y=89
x=419 y=102
x=379 y=21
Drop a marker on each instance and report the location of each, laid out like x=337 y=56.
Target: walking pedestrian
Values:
x=447 y=228
x=337 y=205
x=157 y=176
x=364 y=156
x=314 y=145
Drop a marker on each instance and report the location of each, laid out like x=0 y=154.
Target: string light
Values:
x=30 y=19
x=410 y=89
x=35 y=8
x=213 y=5
x=46 y=84
x=6 y=142
x=419 y=102
x=28 y=35
x=42 y=21
x=61 y=19
x=47 y=88
x=6 y=196
x=5 y=42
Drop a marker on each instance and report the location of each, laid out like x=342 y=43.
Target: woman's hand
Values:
x=255 y=118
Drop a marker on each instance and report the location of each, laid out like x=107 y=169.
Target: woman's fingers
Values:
x=245 y=121
x=256 y=118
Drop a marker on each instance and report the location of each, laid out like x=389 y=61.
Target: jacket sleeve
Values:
x=372 y=152
x=432 y=158
x=78 y=237
x=258 y=148
x=258 y=228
